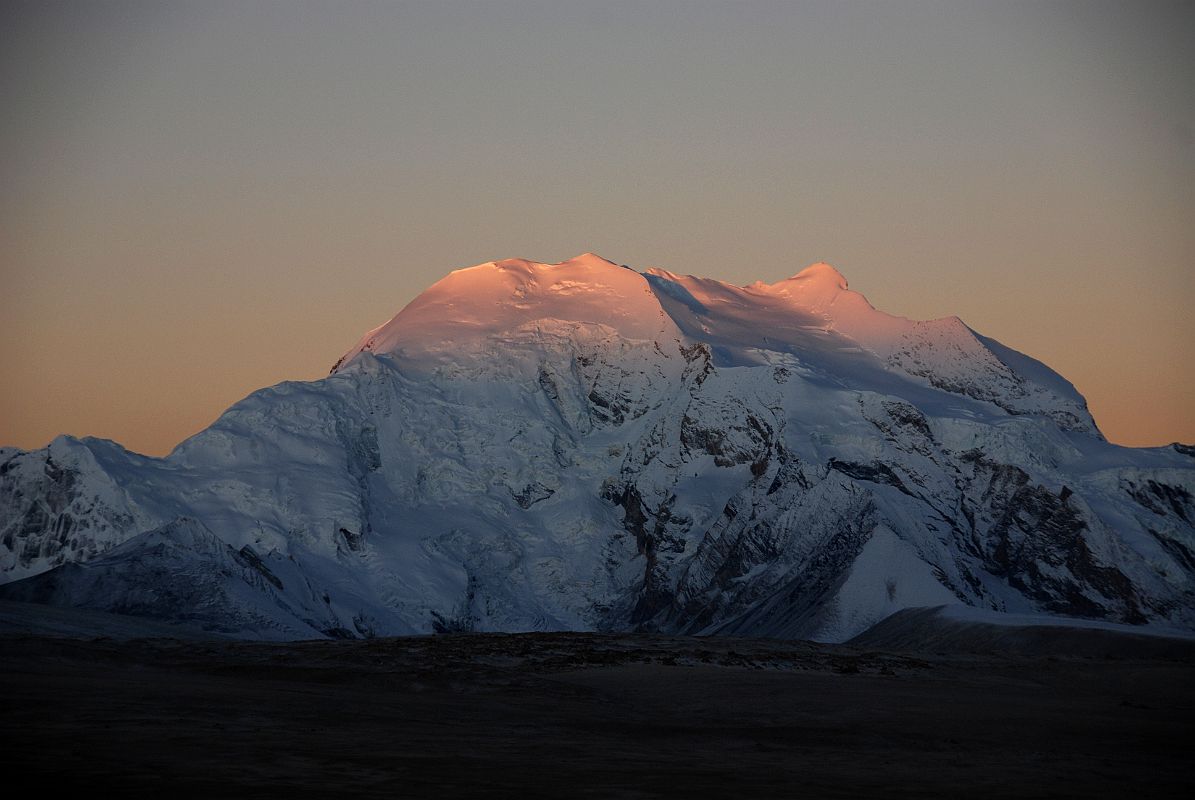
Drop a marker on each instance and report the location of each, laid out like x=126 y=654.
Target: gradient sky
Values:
x=200 y=199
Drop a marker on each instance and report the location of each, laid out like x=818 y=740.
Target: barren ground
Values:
x=580 y=715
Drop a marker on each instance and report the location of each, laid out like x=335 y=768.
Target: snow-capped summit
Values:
x=490 y=299
x=532 y=446
x=812 y=316
x=819 y=277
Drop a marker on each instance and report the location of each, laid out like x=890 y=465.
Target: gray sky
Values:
x=203 y=198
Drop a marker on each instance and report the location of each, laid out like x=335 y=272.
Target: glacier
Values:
x=583 y=446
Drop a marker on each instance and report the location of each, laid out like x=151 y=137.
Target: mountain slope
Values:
x=580 y=446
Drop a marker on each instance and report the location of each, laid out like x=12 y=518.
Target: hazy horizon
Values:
x=205 y=199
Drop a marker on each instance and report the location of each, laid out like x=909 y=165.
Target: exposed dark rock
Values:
x=1162 y=498
x=251 y=559
x=1037 y=535
x=875 y=472
x=353 y=539
x=531 y=494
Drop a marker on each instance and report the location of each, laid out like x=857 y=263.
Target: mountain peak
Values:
x=821 y=275
x=472 y=309
x=496 y=298
x=592 y=259
x=491 y=456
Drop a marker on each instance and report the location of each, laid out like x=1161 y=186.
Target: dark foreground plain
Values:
x=583 y=715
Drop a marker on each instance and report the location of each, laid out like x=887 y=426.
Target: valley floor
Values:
x=579 y=715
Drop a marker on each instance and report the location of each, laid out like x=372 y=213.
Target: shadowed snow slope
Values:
x=582 y=446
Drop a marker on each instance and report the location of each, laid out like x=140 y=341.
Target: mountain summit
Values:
x=821 y=275
x=583 y=446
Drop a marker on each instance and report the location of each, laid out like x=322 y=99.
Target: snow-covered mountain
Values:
x=582 y=446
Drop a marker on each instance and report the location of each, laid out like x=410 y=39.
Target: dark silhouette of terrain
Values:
x=583 y=715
